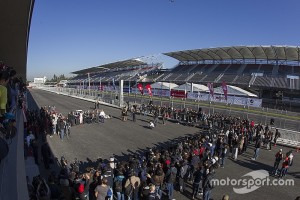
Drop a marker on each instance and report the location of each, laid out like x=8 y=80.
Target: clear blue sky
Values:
x=69 y=35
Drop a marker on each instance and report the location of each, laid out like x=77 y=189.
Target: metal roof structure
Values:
x=114 y=65
x=276 y=53
x=15 y=20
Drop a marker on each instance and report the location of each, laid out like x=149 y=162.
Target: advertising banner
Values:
x=243 y=101
x=178 y=94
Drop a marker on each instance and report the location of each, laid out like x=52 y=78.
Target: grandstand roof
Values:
x=119 y=64
x=284 y=53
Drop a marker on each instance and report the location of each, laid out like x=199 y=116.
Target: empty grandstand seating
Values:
x=251 y=68
x=263 y=81
x=179 y=68
x=220 y=68
x=210 y=78
x=172 y=77
x=196 y=78
x=266 y=69
x=164 y=76
x=228 y=78
x=285 y=70
x=198 y=68
x=281 y=82
x=297 y=70
x=244 y=79
x=182 y=77
x=233 y=69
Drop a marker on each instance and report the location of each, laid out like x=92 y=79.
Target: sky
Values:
x=69 y=35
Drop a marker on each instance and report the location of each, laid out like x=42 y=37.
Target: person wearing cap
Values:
x=278 y=159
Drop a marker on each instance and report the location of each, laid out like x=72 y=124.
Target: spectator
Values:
x=101 y=190
x=207 y=184
x=4 y=77
x=277 y=135
x=257 y=148
x=225 y=197
x=278 y=159
x=171 y=179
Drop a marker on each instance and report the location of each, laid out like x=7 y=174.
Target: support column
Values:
x=121 y=96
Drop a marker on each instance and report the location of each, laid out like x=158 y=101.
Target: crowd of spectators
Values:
x=60 y=125
x=162 y=170
x=12 y=91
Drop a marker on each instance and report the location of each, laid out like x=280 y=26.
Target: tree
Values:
x=57 y=79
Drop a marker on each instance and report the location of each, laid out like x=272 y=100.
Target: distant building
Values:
x=40 y=80
x=62 y=83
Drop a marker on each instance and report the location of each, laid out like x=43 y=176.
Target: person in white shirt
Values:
x=54 y=123
x=102 y=116
x=29 y=138
x=81 y=118
x=151 y=125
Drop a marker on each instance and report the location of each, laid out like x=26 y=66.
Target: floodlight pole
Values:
x=121 y=97
x=89 y=84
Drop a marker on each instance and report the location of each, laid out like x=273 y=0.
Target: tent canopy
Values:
x=163 y=85
x=233 y=90
x=188 y=86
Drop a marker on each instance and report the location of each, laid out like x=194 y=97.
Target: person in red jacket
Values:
x=285 y=166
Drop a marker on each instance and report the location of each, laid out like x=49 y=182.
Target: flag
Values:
x=211 y=89
x=140 y=87
x=148 y=87
x=225 y=89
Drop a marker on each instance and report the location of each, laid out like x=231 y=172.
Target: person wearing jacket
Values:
x=171 y=179
x=158 y=180
x=278 y=159
x=135 y=183
x=197 y=183
x=207 y=184
x=118 y=185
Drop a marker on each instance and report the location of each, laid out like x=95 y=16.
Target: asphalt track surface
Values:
x=114 y=137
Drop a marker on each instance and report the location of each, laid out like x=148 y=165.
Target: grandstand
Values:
x=264 y=70
x=127 y=70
